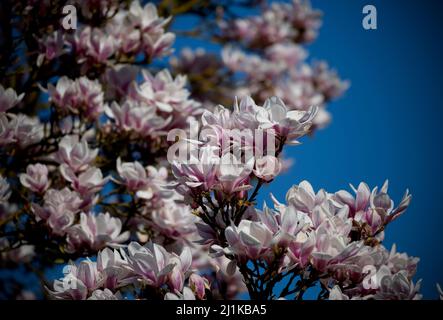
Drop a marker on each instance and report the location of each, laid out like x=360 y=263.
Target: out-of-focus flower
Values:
x=174 y=220
x=36 y=178
x=21 y=129
x=59 y=209
x=146 y=17
x=401 y=261
x=187 y=294
x=133 y=174
x=198 y=285
x=64 y=93
x=166 y=93
x=75 y=153
x=78 y=282
x=51 y=47
x=86 y=183
x=118 y=78
x=91 y=97
x=105 y=294
x=96 y=232
x=395 y=286
x=6 y=130
x=93 y=43
x=155 y=41
x=9 y=98
x=136 y=117
x=80 y=96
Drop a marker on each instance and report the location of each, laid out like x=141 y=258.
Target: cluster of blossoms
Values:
x=109 y=159
x=262 y=57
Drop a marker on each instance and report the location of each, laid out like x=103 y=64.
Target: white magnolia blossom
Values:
x=9 y=98
x=96 y=231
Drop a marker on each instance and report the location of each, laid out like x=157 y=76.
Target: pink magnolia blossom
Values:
x=174 y=220
x=75 y=153
x=290 y=125
x=78 y=282
x=35 y=178
x=267 y=168
x=250 y=239
x=9 y=98
x=96 y=232
x=93 y=43
x=86 y=183
x=59 y=209
x=198 y=285
x=151 y=262
x=135 y=117
x=51 y=47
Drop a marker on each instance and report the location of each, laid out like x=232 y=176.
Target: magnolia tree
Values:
x=119 y=162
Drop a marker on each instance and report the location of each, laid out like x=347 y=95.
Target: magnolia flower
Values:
x=395 y=286
x=105 y=294
x=95 y=44
x=401 y=261
x=90 y=97
x=267 y=168
x=290 y=125
x=331 y=249
x=64 y=93
x=133 y=174
x=86 y=183
x=9 y=98
x=181 y=264
x=174 y=220
x=187 y=294
x=5 y=192
x=198 y=285
x=137 y=117
x=51 y=47
x=59 y=209
x=199 y=173
x=286 y=224
x=35 y=178
x=250 y=239
x=25 y=130
x=233 y=175
x=75 y=153
x=112 y=264
x=374 y=209
x=6 y=129
x=165 y=93
x=151 y=262
x=78 y=96
x=119 y=78
x=78 y=282
x=303 y=197
x=146 y=17
x=95 y=232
